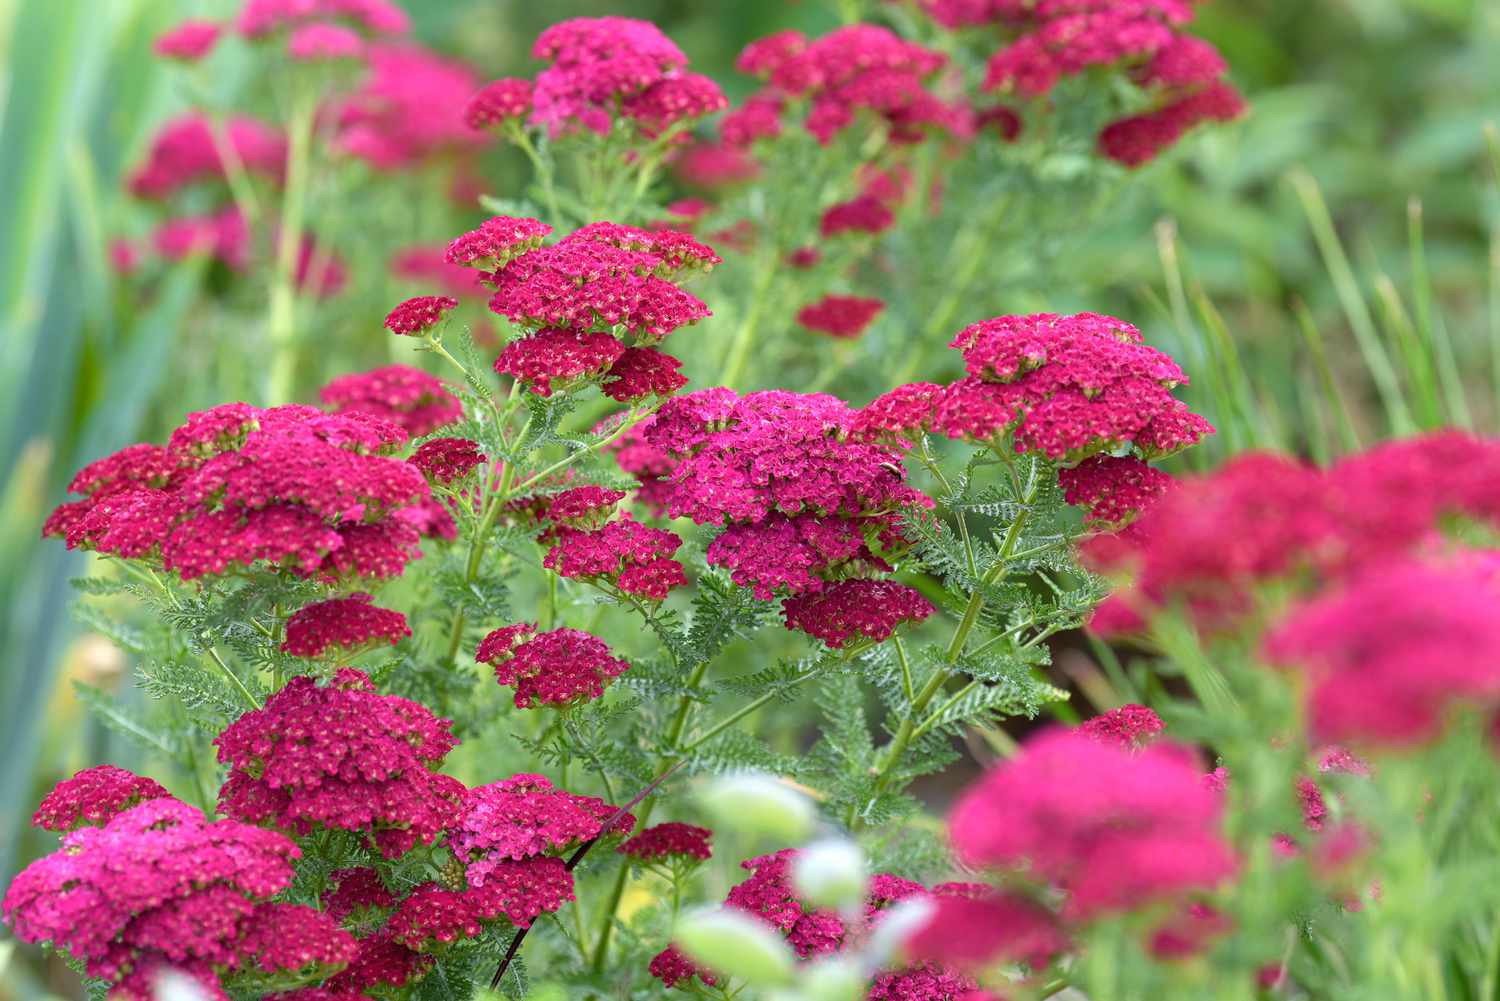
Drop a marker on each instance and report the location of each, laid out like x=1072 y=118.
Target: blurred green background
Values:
x=1376 y=108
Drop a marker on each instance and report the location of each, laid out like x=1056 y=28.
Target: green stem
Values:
x=283 y=309
x=739 y=348
x=577 y=454
x=543 y=168
x=742 y=712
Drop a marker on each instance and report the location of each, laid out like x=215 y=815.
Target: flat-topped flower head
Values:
x=292 y=487
x=93 y=796
x=559 y=359
x=672 y=841
x=844 y=316
x=635 y=558
x=598 y=64
x=896 y=416
x=642 y=373
x=865 y=214
x=447 y=460
x=498 y=102
x=515 y=891
x=1111 y=828
x=1391 y=651
x=185 y=151
x=408 y=108
x=406 y=396
x=259 y=18
x=419 y=314
x=378 y=962
x=585 y=508
x=1112 y=489
x=559 y=668
x=851 y=609
x=356 y=896
x=672 y=99
x=498 y=241
x=343 y=757
x=349 y=624
x=320 y=41
x=523 y=817
x=791 y=555
x=1130 y=726
x=160 y=885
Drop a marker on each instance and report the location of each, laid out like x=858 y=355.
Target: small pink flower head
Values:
x=765 y=56
x=341 y=756
x=92 y=797
x=596 y=65
x=1391 y=651
x=185 y=151
x=447 y=460
x=1113 y=489
x=904 y=412
x=378 y=962
x=792 y=555
x=1113 y=829
x=560 y=358
x=1130 y=726
x=407 y=109
x=671 y=967
x=559 y=668
x=585 y=508
x=633 y=557
x=525 y=816
x=505 y=100
x=498 y=241
x=418 y=315
x=408 y=397
x=351 y=624
x=672 y=841
x=190 y=41
x=259 y=18
x=641 y=373
x=673 y=99
x=293 y=939
x=498 y=645
x=843 y=316
x=356 y=895
x=864 y=214
x=855 y=608
x=320 y=41
x=1139 y=139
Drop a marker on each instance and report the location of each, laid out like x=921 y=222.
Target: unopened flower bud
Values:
x=734 y=944
x=900 y=923
x=759 y=804
x=831 y=873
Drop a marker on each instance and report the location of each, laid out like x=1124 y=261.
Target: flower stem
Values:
x=283 y=309
x=739 y=349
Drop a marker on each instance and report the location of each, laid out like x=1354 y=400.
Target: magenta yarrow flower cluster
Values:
x=290 y=487
x=341 y=756
x=768 y=896
x=672 y=843
x=447 y=461
x=262 y=18
x=842 y=316
x=592 y=306
x=92 y=797
x=805 y=508
x=184 y=152
x=408 y=109
x=350 y=624
x=420 y=314
x=523 y=819
x=563 y=667
x=623 y=553
x=859 y=68
x=160 y=887
x=416 y=401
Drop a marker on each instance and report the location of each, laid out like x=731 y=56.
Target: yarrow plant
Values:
x=604 y=632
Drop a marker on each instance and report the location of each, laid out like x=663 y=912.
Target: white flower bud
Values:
x=831 y=873
x=837 y=978
x=897 y=924
x=758 y=804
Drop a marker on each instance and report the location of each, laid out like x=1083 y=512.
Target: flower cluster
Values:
x=635 y=558
x=803 y=504
x=343 y=757
x=649 y=465
x=409 y=108
x=447 y=460
x=1108 y=826
x=844 y=316
x=524 y=818
x=558 y=668
x=352 y=623
x=292 y=487
x=186 y=151
x=416 y=401
x=92 y=797
x=160 y=887
x=603 y=67
x=853 y=69
x=1112 y=489
x=667 y=842
x=418 y=315
x=519 y=891
x=259 y=19
x=1053 y=39
x=768 y=896
x=1207 y=542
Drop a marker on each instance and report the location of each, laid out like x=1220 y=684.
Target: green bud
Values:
x=831 y=873
x=734 y=944
x=759 y=804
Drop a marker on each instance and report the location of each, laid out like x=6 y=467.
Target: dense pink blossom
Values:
x=518 y=891
x=1387 y=654
x=1111 y=828
x=789 y=555
x=409 y=107
x=349 y=623
x=184 y=152
x=321 y=41
x=344 y=757
x=668 y=841
x=447 y=460
x=1130 y=726
x=258 y=18
x=378 y=962
x=222 y=235
x=160 y=885
x=864 y=214
x=845 y=316
x=973 y=930
x=189 y=41
x=522 y=817
x=1137 y=139
x=505 y=100
x=905 y=410
x=672 y=99
x=586 y=507
x=1113 y=489
x=92 y=797
x=291 y=486
x=600 y=64
x=408 y=397
x=559 y=668
x=498 y=240
x=640 y=373
x=671 y=967
x=355 y=892
x=634 y=557
x=419 y=314
x=855 y=608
